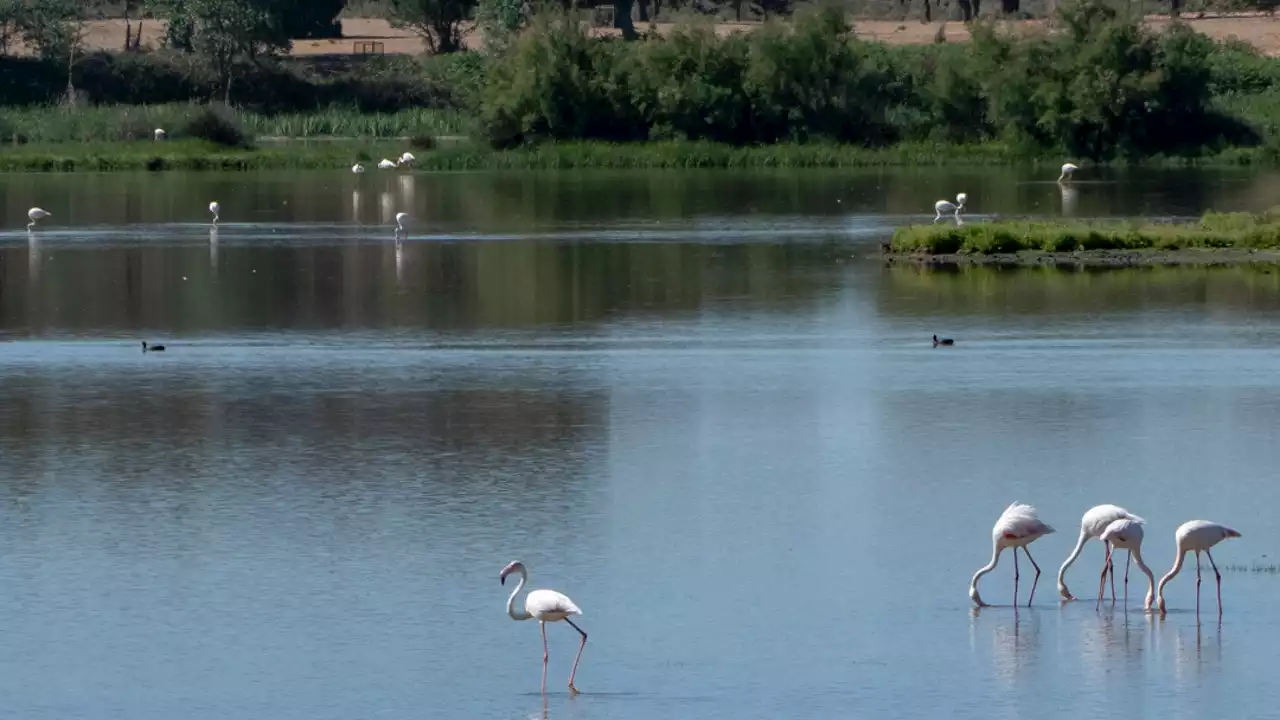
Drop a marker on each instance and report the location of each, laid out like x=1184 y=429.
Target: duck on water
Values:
x=151 y=348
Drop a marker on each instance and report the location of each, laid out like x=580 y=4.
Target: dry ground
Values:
x=1261 y=31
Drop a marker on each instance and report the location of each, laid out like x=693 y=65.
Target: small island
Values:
x=1214 y=239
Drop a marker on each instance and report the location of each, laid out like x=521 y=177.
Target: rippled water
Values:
x=686 y=400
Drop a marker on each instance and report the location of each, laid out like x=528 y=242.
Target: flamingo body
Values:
x=1018 y=526
x=1198 y=536
x=357 y=168
x=400 y=220
x=1126 y=533
x=407 y=159
x=1067 y=169
x=215 y=208
x=544 y=606
x=385 y=164
x=1096 y=520
x=945 y=206
x=160 y=133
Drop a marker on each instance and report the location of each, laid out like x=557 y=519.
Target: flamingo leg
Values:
x=1218 y=576
x=1128 y=557
x=1112 y=569
x=1015 y=577
x=582 y=646
x=542 y=624
x=1197 y=583
x=1102 y=581
x=1037 y=578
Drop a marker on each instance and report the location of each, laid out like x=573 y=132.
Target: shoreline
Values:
x=454 y=152
x=1190 y=257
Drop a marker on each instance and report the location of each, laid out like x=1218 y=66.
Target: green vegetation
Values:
x=1241 y=231
x=191 y=155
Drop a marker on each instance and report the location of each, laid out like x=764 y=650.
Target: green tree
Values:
x=499 y=21
x=47 y=26
x=438 y=22
x=226 y=33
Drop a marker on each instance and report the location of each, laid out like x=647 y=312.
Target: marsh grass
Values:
x=116 y=123
x=1214 y=230
x=1256 y=567
x=189 y=155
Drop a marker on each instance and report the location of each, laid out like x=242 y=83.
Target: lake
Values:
x=694 y=402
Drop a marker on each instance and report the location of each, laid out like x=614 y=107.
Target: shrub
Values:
x=217 y=123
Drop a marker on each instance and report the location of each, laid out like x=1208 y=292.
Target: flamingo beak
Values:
x=502 y=579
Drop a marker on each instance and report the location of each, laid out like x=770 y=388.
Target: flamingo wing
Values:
x=550 y=605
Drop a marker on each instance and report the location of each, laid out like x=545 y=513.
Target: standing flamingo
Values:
x=545 y=606
x=1067 y=169
x=1018 y=527
x=1126 y=534
x=1095 y=520
x=943 y=206
x=1197 y=536
x=215 y=208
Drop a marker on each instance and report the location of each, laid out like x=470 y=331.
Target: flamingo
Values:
x=407 y=159
x=215 y=208
x=35 y=214
x=544 y=606
x=1197 y=536
x=160 y=133
x=1095 y=521
x=1067 y=169
x=1018 y=527
x=357 y=168
x=1126 y=534
x=400 y=218
x=943 y=206
x=385 y=164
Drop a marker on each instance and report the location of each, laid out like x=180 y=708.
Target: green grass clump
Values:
x=189 y=155
x=1214 y=230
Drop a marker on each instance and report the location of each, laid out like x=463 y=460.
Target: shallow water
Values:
x=685 y=400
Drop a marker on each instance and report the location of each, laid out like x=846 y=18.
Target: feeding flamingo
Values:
x=1018 y=527
x=400 y=220
x=385 y=164
x=1196 y=536
x=544 y=606
x=942 y=206
x=35 y=214
x=1067 y=169
x=215 y=208
x=357 y=168
x=1125 y=534
x=1095 y=521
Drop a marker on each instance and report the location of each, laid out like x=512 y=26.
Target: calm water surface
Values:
x=689 y=401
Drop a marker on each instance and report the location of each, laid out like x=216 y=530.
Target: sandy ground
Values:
x=367 y=34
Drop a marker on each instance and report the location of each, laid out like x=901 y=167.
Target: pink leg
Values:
x=543 y=625
x=1102 y=580
x=1037 y=578
x=1112 y=568
x=1197 y=583
x=1127 y=558
x=1217 y=575
x=1015 y=577
x=582 y=646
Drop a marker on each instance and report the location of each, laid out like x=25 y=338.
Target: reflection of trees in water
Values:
x=915 y=291
x=440 y=285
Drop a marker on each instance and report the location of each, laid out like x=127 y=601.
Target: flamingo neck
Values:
x=995 y=559
x=1177 y=566
x=1136 y=554
x=511 y=601
x=1062 y=571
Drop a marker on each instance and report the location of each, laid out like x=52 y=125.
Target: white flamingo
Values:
x=407 y=159
x=215 y=208
x=1067 y=169
x=1018 y=527
x=944 y=206
x=544 y=606
x=1095 y=521
x=1126 y=534
x=160 y=133
x=357 y=168
x=385 y=164
x=1196 y=536
x=400 y=220
x=35 y=214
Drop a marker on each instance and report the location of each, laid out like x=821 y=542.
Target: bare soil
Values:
x=375 y=35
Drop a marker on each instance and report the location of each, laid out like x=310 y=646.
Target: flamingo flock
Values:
x=1020 y=525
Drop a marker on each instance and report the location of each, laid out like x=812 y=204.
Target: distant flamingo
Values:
x=35 y=214
x=357 y=168
x=544 y=606
x=159 y=134
x=407 y=159
x=1125 y=534
x=1067 y=169
x=1018 y=527
x=1196 y=536
x=1095 y=520
x=400 y=220
x=385 y=164
x=942 y=206
x=215 y=208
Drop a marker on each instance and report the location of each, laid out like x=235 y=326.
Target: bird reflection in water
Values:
x=213 y=251
x=355 y=205
x=1070 y=199
x=1014 y=643
x=399 y=260
x=33 y=259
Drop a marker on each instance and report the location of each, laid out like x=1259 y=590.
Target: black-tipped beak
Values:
x=502 y=579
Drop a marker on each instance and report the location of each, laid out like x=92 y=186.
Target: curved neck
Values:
x=1062 y=571
x=511 y=601
x=995 y=558
x=1136 y=554
x=1177 y=565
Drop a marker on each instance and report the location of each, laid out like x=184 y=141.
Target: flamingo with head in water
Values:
x=35 y=214
x=1198 y=536
x=215 y=208
x=1096 y=519
x=544 y=606
x=1125 y=534
x=1019 y=526
x=1067 y=169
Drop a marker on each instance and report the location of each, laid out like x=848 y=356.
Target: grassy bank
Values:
x=1240 y=234
x=193 y=155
